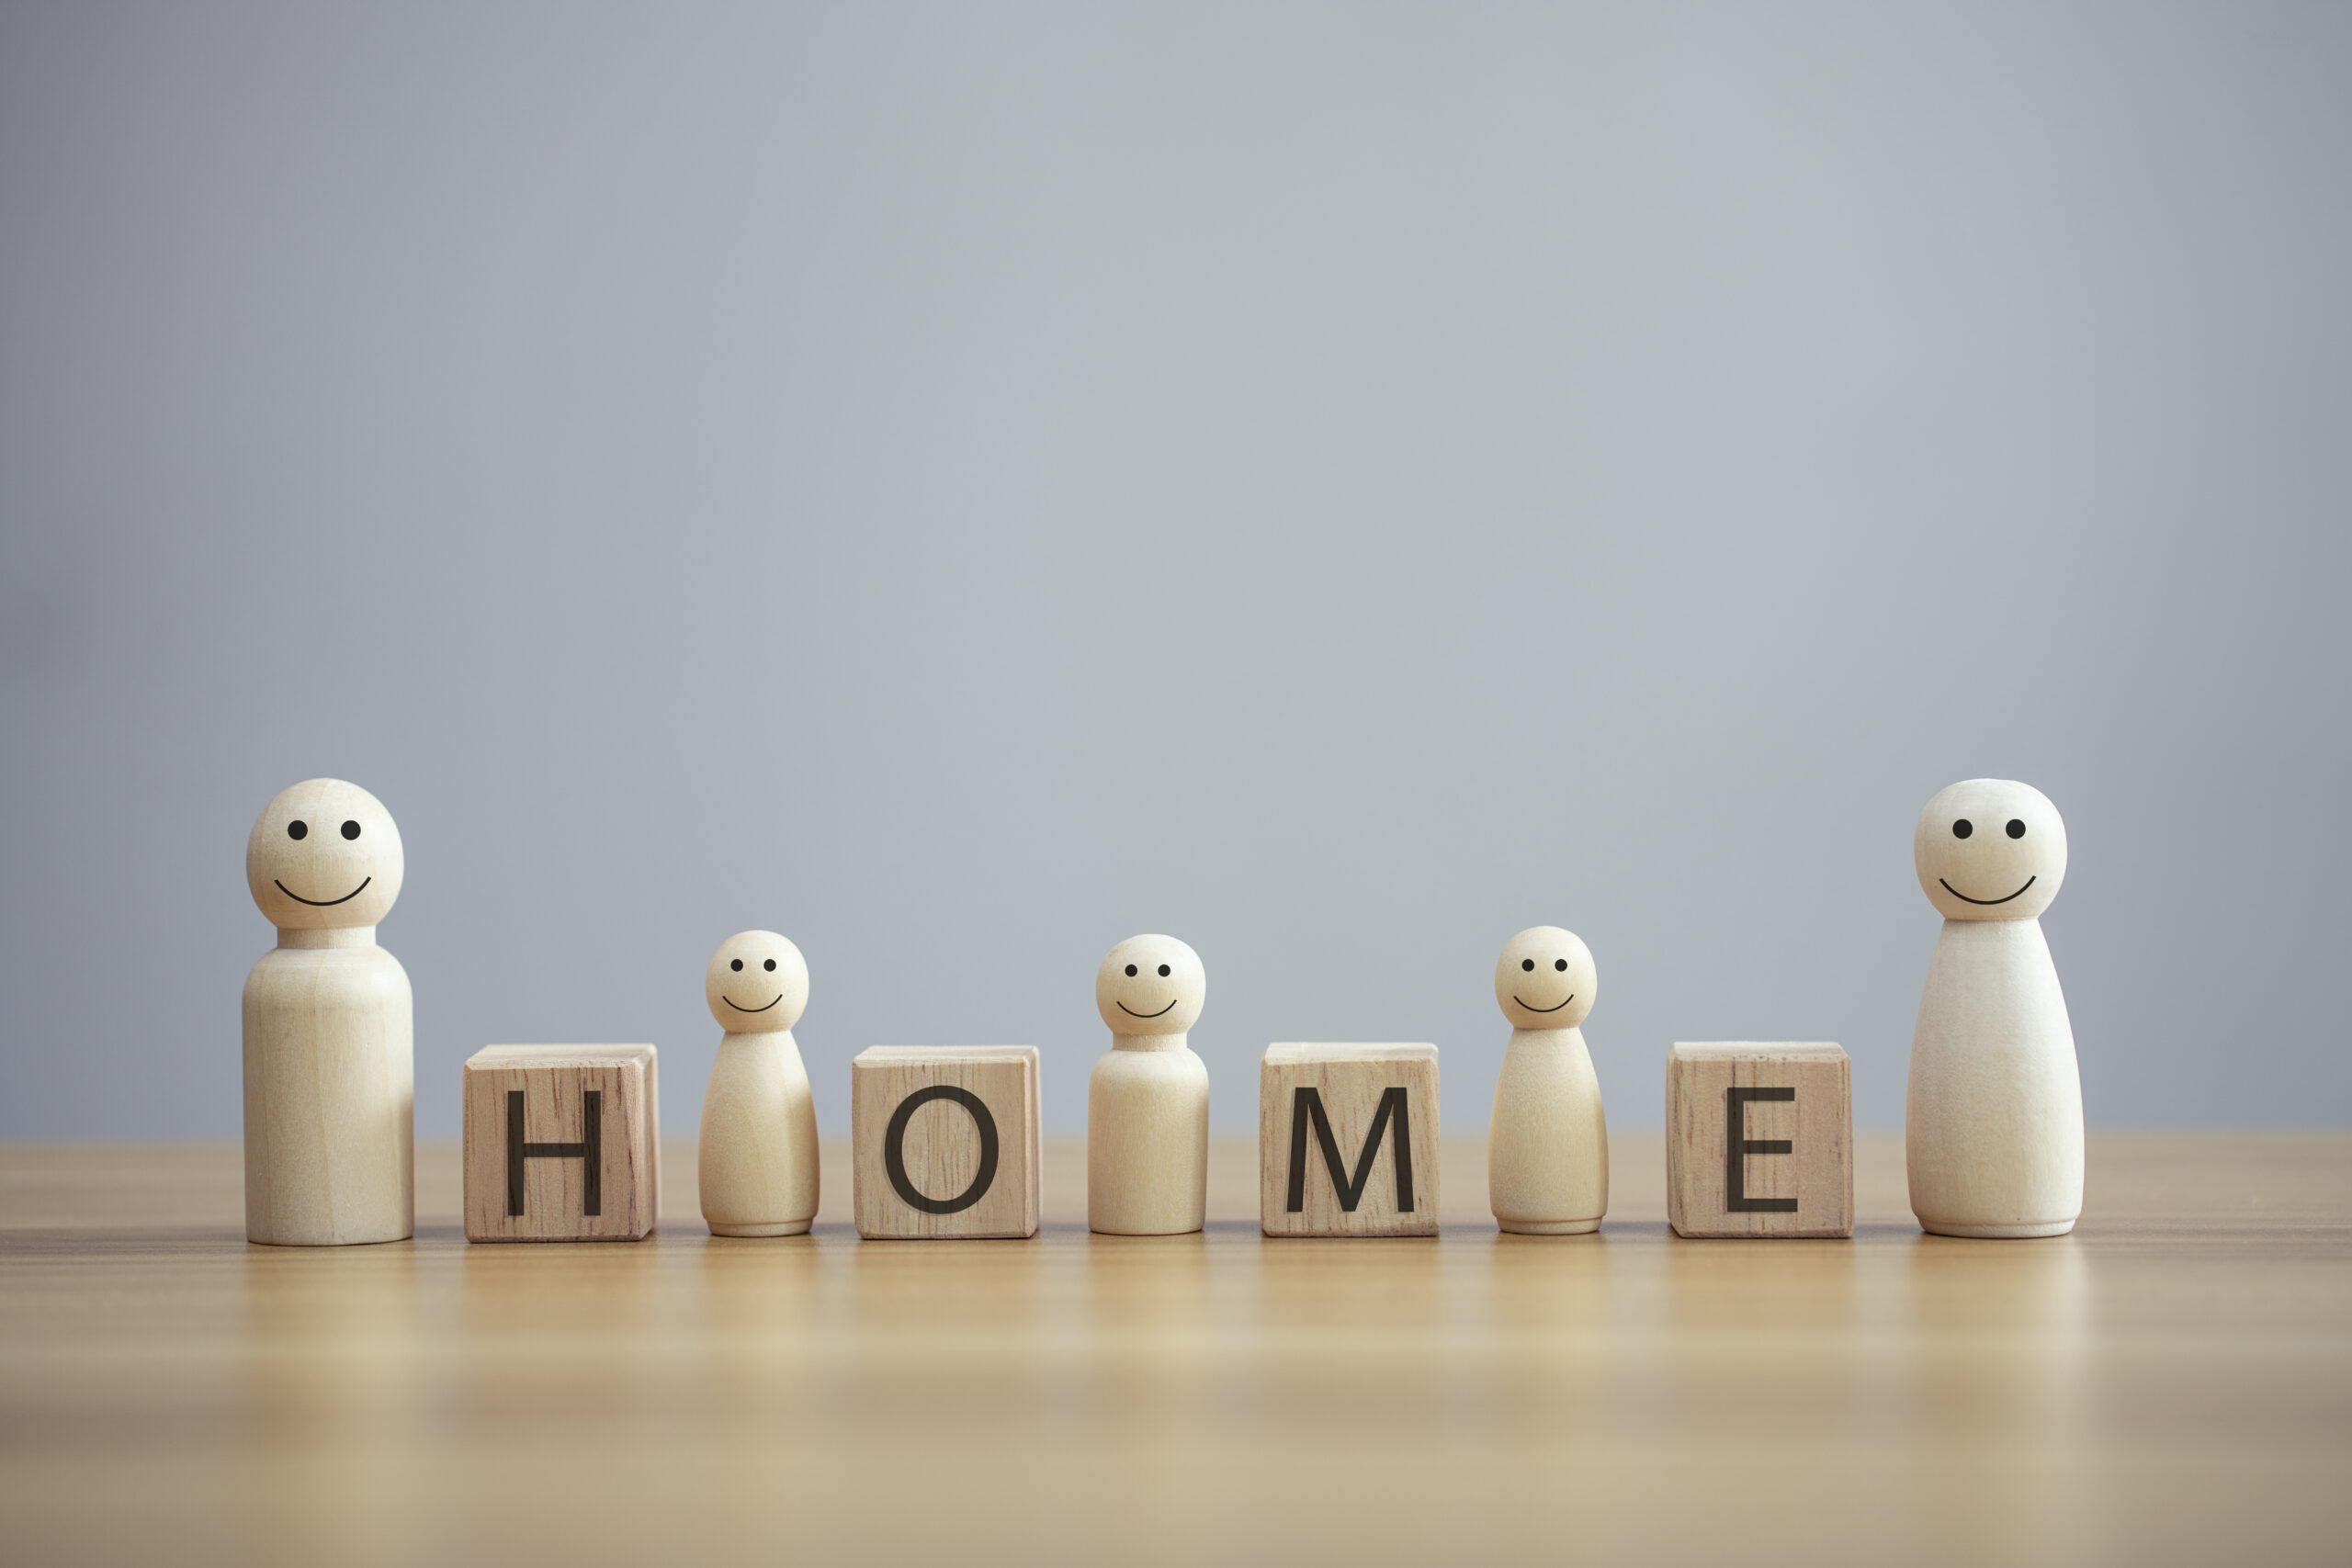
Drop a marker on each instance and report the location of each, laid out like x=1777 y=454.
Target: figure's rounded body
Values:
x=756 y=1162
x=330 y=1095
x=1547 y=1150
x=1993 y=1125
x=330 y=1058
x=1148 y=1138
x=1147 y=1101
x=755 y=1165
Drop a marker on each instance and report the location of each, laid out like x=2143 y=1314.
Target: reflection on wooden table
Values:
x=2172 y=1384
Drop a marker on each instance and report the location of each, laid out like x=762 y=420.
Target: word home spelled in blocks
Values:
x=1759 y=1141
x=563 y=1143
x=945 y=1141
x=1347 y=1140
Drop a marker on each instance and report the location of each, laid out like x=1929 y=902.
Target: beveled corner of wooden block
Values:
x=946 y=1142
x=563 y=1143
x=1759 y=1139
x=1348 y=1140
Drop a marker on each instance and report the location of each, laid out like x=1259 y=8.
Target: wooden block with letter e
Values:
x=945 y=1141
x=1759 y=1139
x=563 y=1143
x=1347 y=1140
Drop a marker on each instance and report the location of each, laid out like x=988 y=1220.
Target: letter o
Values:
x=894 y=1150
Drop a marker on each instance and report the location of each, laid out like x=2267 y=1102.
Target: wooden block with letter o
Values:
x=1759 y=1139
x=563 y=1143
x=945 y=1141
x=1347 y=1140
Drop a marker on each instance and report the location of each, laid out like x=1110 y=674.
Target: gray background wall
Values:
x=963 y=485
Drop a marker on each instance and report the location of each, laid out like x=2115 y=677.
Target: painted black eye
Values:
x=737 y=967
x=2017 y=828
x=1561 y=965
x=297 y=829
x=351 y=830
x=769 y=967
x=1527 y=964
x=1962 y=828
x=1131 y=971
x=1163 y=971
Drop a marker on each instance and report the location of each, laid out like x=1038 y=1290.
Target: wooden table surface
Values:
x=2171 y=1383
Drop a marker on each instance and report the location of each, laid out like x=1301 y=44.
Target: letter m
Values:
x=1306 y=1106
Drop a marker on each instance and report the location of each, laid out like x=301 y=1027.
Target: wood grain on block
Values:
x=1759 y=1139
x=1347 y=1140
x=330 y=1061
x=945 y=1141
x=563 y=1143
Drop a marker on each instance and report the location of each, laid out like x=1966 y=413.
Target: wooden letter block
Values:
x=1347 y=1140
x=563 y=1143
x=1759 y=1141
x=945 y=1141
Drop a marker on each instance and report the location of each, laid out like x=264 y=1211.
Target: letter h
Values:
x=590 y=1150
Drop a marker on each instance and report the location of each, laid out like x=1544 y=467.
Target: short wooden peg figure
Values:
x=1993 y=1133
x=330 y=1055
x=757 y=1158
x=1547 y=1151
x=1347 y=1140
x=1148 y=1102
x=1759 y=1139
x=563 y=1143
x=944 y=1141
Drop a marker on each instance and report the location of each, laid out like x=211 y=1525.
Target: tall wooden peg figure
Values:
x=1547 y=1150
x=330 y=1047
x=1994 y=1129
x=757 y=1161
x=1148 y=1103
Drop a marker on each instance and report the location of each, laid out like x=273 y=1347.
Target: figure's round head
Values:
x=1545 y=979
x=1990 y=850
x=1150 y=984
x=324 y=856
x=757 y=983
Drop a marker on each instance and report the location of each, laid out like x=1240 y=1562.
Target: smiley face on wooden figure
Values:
x=757 y=983
x=324 y=856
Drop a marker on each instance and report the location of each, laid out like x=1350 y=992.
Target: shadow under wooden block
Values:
x=945 y=1141
x=563 y=1143
x=1347 y=1140
x=1759 y=1139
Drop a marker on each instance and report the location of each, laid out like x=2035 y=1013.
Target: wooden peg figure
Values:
x=330 y=1049
x=1993 y=1133
x=1148 y=1102
x=1547 y=1150
x=756 y=1164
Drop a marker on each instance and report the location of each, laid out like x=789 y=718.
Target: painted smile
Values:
x=1966 y=899
x=322 y=903
x=1132 y=1013
x=1554 y=1007
x=731 y=1002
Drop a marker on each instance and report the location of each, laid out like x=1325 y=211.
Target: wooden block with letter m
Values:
x=563 y=1143
x=1347 y=1140
x=1759 y=1141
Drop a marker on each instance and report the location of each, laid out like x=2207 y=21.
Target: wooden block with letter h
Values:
x=945 y=1141
x=563 y=1143
x=1759 y=1139
x=1322 y=1107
